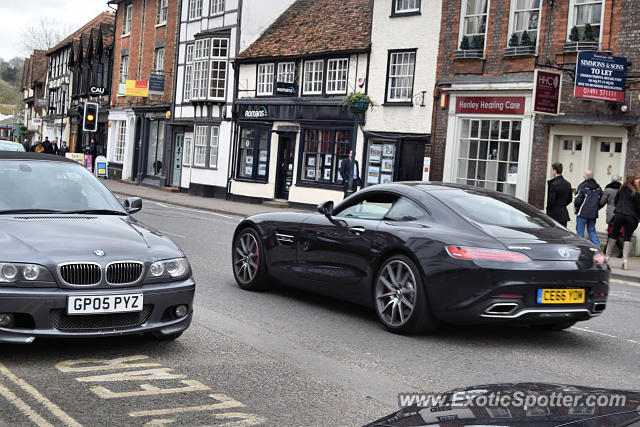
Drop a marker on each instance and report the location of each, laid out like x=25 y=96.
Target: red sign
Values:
x=546 y=93
x=599 y=94
x=490 y=104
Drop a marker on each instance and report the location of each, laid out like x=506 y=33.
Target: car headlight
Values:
x=168 y=268
x=16 y=272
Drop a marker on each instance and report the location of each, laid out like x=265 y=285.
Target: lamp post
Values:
x=64 y=88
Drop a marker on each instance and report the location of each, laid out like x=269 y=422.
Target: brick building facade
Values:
x=139 y=143
x=486 y=59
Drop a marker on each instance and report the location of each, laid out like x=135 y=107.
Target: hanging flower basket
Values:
x=357 y=102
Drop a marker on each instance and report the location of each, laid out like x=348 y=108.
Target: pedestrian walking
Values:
x=47 y=147
x=559 y=196
x=63 y=149
x=608 y=199
x=627 y=213
x=39 y=147
x=586 y=206
x=54 y=147
x=344 y=173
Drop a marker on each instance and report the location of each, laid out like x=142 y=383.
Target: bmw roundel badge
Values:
x=99 y=252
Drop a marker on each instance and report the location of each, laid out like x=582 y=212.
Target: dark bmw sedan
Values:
x=423 y=253
x=75 y=263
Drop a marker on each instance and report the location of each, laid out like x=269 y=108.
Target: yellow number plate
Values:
x=560 y=296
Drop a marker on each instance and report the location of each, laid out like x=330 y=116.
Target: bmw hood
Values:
x=523 y=404
x=50 y=239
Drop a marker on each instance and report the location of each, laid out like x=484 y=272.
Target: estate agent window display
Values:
x=323 y=150
x=381 y=159
x=253 y=158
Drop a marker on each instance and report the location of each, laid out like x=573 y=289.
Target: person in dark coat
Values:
x=64 y=149
x=559 y=195
x=344 y=173
x=627 y=213
x=608 y=199
x=586 y=206
x=46 y=144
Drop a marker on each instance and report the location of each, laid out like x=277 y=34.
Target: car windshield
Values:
x=493 y=209
x=52 y=186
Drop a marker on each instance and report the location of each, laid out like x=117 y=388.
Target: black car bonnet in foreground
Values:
x=523 y=404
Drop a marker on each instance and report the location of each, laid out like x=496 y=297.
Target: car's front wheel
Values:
x=249 y=267
x=400 y=298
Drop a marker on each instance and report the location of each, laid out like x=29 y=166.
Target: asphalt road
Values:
x=287 y=358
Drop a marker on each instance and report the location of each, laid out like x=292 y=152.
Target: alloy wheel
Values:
x=396 y=293
x=245 y=258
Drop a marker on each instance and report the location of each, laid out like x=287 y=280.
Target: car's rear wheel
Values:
x=249 y=267
x=558 y=326
x=400 y=297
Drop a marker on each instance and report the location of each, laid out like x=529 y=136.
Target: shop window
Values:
x=323 y=151
x=400 y=76
x=253 y=159
x=581 y=14
x=337 y=76
x=473 y=24
x=405 y=6
x=313 y=76
x=381 y=157
x=525 y=17
x=286 y=72
x=155 y=152
x=265 y=79
x=488 y=154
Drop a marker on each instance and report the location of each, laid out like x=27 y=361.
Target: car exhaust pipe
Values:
x=599 y=307
x=502 y=308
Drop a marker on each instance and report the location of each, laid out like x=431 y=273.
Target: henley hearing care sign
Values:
x=546 y=93
x=490 y=104
x=600 y=77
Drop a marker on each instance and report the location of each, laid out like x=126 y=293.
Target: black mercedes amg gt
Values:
x=422 y=253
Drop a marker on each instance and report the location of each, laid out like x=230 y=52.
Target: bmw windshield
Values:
x=52 y=187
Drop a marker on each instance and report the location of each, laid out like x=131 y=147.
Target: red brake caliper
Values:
x=256 y=259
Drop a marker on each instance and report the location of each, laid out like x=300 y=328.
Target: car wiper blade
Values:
x=27 y=211
x=95 y=211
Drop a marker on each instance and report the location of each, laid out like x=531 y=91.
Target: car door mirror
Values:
x=326 y=208
x=132 y=204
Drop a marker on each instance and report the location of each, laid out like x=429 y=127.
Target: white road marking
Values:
x=52 y=407
x=104 y=364
x=23 y=407
x=604 y=334
x=181 y=208
x=150 y=390
x=161 y=204
x=146 y=375
x=172 y=234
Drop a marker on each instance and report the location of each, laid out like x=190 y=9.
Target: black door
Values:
x=286 y=150
x=411 y=161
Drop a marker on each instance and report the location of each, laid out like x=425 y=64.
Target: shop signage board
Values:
x=78 y=157
x=156 y=84
x=490 y=104
x=600 y=77
x=137 y=88
x=36 y=121
x=546 y=91
x=286 y=89
x=101 y=166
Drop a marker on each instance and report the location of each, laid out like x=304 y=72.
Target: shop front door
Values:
x=286 y=151
x=177 y=160
x=411 y=161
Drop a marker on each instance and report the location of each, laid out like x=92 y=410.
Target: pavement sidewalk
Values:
x=229 y=207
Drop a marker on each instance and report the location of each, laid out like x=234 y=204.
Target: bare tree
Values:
x=43 y=33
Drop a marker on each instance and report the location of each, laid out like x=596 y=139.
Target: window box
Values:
x=581 y=46
x=520 y=51
x=469 y=54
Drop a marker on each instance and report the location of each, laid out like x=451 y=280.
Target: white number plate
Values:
x=93 y=304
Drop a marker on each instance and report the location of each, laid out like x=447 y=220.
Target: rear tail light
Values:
x=480 y=254
x=599 y=258
x=599 y=295
x=508 y=296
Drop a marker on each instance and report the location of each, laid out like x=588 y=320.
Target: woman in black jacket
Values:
x=627 y=213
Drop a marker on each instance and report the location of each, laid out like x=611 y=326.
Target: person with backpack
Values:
x=608 y=199
x=586 y=205
x=627 y=213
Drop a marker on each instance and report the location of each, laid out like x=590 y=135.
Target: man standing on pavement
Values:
x=344 y=173
x=63 y=149
x=587 y=204
x=559 y=196
x=46 y=145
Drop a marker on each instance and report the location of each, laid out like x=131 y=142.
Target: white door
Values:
x=571 y=156
x=605 y=161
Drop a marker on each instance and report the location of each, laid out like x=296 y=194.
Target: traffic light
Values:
x=90 y=117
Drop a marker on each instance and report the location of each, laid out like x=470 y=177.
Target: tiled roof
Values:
x=35 y=68
x=96 y=23
x=315 y=26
